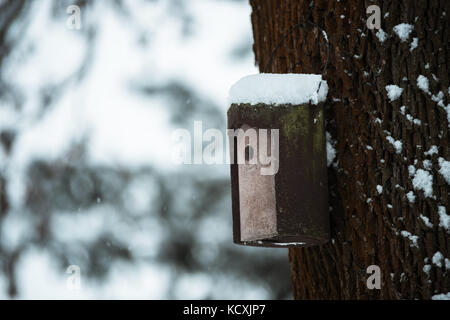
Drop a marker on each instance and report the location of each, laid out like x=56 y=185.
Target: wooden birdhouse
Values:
x=276 y=132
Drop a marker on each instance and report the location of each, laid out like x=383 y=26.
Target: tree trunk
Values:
x=370 y=225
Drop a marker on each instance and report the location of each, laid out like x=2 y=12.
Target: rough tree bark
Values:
x=366 y=225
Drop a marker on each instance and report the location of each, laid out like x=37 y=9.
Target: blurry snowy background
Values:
x=86 y=179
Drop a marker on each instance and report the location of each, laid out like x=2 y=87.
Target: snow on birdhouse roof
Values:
x=279 y=89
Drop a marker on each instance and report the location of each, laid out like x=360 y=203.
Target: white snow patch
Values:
x=411 y=237
x=426 y=221
x=411 y=170
x=427 y=268
x=414 y=44
x=423 y=83
x=412 y=120
x=381 y=35
x=433 y=150
x=331 y=151
x=427 y=164
x=325 y=35
x=442 y=296
x=380 y=189
x=403 y=30
x=411 y=197
x=278 y=89
x=447 y=109
x=437 y=259
x=444 y=218
x=438 y=98
x=423 y=180
x=393 y=92
x=445 y=169
x=396 y=143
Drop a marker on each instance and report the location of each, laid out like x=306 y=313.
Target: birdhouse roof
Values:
x=279 y=89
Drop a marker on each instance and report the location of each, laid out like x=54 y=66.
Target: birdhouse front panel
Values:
x=257 y=204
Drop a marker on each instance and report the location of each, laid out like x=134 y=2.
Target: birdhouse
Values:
x=276 y=131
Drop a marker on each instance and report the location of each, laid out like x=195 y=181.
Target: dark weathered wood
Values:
x=366 y=225
x=302 y=214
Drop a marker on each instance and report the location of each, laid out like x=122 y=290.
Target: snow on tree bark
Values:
x=369 y=228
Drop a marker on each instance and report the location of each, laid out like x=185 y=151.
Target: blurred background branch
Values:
x=85 y=123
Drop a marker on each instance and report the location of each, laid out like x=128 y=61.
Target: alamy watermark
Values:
x=73 y=281
x=74 y=20
x=246 y=146
x=374 y=280
x=374 y=20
